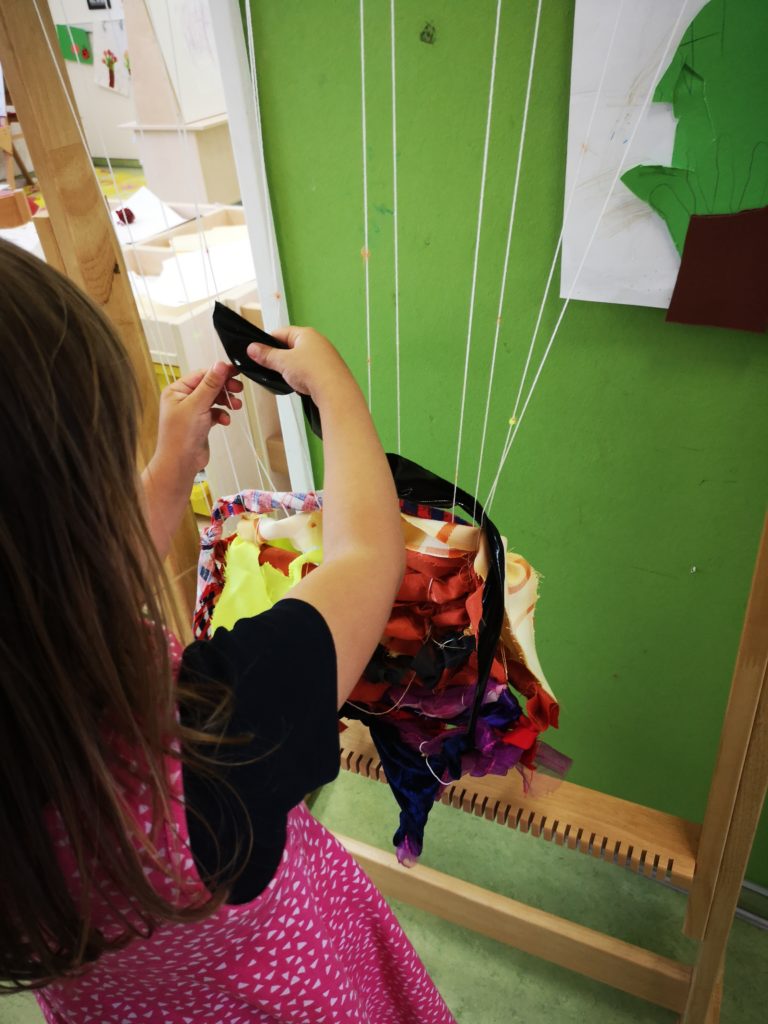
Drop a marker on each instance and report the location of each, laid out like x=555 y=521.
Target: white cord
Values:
x=394 y=706
x=366 y=247
x=515 y=189
x=582 y=152
x=488 y=119
x=516 y=422
x=429 y=766
x=395 y=225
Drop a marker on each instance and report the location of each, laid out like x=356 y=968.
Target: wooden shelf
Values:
x=649 y=842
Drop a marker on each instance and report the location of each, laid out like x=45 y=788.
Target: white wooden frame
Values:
x=247 y=146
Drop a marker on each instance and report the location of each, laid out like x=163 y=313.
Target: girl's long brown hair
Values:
x=81 y=639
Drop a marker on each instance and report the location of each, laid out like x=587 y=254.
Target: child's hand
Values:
x=188 y=409
x=310 y=364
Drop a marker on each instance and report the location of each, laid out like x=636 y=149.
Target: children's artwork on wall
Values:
x=75 y=44
x=112 y=63
x=695 y=148
x=713 y=195
x=613 y=126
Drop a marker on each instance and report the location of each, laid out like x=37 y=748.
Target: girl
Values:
x=157 y=863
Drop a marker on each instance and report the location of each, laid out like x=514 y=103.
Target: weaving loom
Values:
x=707 y=860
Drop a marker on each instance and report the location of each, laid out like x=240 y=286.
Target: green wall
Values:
x=643 y=452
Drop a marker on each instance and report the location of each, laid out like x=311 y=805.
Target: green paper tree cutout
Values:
x=717 y=83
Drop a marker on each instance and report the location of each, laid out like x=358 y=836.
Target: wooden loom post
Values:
x=746 y=813
x=85 y=237
x=738 y=724
x=735 y=801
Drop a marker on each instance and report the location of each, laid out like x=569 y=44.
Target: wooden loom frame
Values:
x=708 y=860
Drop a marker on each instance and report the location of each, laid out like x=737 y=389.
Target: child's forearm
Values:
x=167 y=488
x=189 y=408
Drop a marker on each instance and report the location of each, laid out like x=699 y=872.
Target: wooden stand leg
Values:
x=738 y=725
x=22 y=167
x=716 y=1004
x=713 y=1014
x=707 y=971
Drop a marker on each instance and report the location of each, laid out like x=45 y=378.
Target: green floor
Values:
x=486 y=983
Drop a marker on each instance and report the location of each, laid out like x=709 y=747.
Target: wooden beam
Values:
x=630 y=968
x=747 y=685
x=85 y=236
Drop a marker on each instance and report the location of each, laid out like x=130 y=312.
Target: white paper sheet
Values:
x=152 y=216
x=632 y=259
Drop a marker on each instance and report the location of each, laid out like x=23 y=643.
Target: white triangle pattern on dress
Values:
x=318 y=946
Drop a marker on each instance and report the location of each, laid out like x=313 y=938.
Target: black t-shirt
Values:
x=281 y=667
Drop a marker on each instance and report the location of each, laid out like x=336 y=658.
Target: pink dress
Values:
x=318 y=946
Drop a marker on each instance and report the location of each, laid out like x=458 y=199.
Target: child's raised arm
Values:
x=364 y=554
